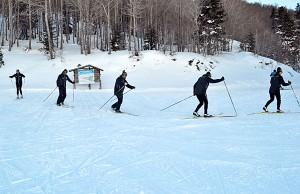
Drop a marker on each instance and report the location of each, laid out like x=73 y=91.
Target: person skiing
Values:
x=18 y=77
x=200 y=88
x=273 y=73
x=61 y=84
x=274 y=91
x=119 y=89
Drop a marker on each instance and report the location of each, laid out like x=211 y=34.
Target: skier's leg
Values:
x=64 y=94
x=59 y=99
x=271 y=99
x=200 y=102
x=278 y=97
x=120 y=100
x=205 y=104
x=18 y=90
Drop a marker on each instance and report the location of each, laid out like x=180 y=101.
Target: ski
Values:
x=287 y=112
x=67 y=106
x=127 y=113
x=213 y=116
x=263 y=112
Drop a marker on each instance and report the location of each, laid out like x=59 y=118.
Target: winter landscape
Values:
x=156 y=146
x=50 y=149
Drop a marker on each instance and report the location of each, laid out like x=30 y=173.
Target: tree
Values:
x=210 y=29
x=151 y=39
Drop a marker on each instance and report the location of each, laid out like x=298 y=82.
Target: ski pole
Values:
x=73 y=93
x=176 y=103
x=123 y=95
x=110 y=98
x=295 y=95
x=50 y=94
x=230 y=98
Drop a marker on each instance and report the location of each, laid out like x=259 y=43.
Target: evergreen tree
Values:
x=117 y=40
x=1 y=58
x=151 y=39
x=45 y=39
x=297 y=34
x=210 y=29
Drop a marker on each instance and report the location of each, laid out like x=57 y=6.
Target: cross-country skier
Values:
x=200 y=88
x=119 y=89
x=276 y=82
x=18 y=77
x=61 y=84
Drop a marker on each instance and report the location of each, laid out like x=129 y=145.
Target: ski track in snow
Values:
x=50 y=149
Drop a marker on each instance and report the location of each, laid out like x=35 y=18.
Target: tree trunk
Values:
x=10 y=22
x=2 y=23
x=61 y=25
x=30 y=25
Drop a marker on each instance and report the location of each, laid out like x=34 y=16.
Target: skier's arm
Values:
x=70 y=80
x=14 y=75
x=130 y=86
x=22 y=75
x=215 y=80
x=282 y=82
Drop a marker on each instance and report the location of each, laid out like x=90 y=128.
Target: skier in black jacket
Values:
x=119 y=89
x=18 y=77
x=61 y=84
x=200 y=88
x=276 y=82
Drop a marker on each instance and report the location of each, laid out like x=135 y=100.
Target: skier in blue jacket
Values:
x=274 y=91
x=119 y=89
x=200 y=88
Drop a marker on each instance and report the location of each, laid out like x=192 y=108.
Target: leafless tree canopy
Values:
x=111 y=25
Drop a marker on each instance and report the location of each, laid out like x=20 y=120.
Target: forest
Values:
x=207 y=27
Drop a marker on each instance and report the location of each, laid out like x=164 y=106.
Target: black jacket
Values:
x=62 y=79
x=202 y=84
x=18 y=77
x=276 y=82
x=120 y=86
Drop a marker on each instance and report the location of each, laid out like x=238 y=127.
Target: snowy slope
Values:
x=49 y=149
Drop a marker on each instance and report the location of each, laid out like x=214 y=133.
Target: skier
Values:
x=200 y=88
x=118 y=90
x=61 y=84
x=276 y=82
x=18 y=77
x=273 y=73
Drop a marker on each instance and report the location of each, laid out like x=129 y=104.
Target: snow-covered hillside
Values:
x=50 y=149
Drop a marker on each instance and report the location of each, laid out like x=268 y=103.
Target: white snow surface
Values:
x=50 y=149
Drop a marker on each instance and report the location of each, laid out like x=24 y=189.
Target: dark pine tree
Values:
x=151 y=39
x=1 y=58
x=45 y=39
x=117 y=40
x=210 y=29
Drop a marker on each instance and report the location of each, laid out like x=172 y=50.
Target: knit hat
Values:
x=124 y=73
x=279 y=70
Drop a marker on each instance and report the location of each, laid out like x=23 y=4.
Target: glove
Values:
x=222 y=78
x=132 y=87
x=289 y=82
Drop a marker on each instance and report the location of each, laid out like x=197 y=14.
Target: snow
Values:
x=50 y=149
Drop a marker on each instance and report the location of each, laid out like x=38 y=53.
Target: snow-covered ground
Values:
x=50 y=149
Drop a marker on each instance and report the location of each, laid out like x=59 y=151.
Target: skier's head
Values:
x=17 y=71
x=124 y=74
x=279 y=70
x=208 y=74
x=65 y=71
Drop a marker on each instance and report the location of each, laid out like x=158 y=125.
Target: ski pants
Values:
x=62 y=95
x=202 y=100
x=117 y=105
x=19 y=89
x=272 y=96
